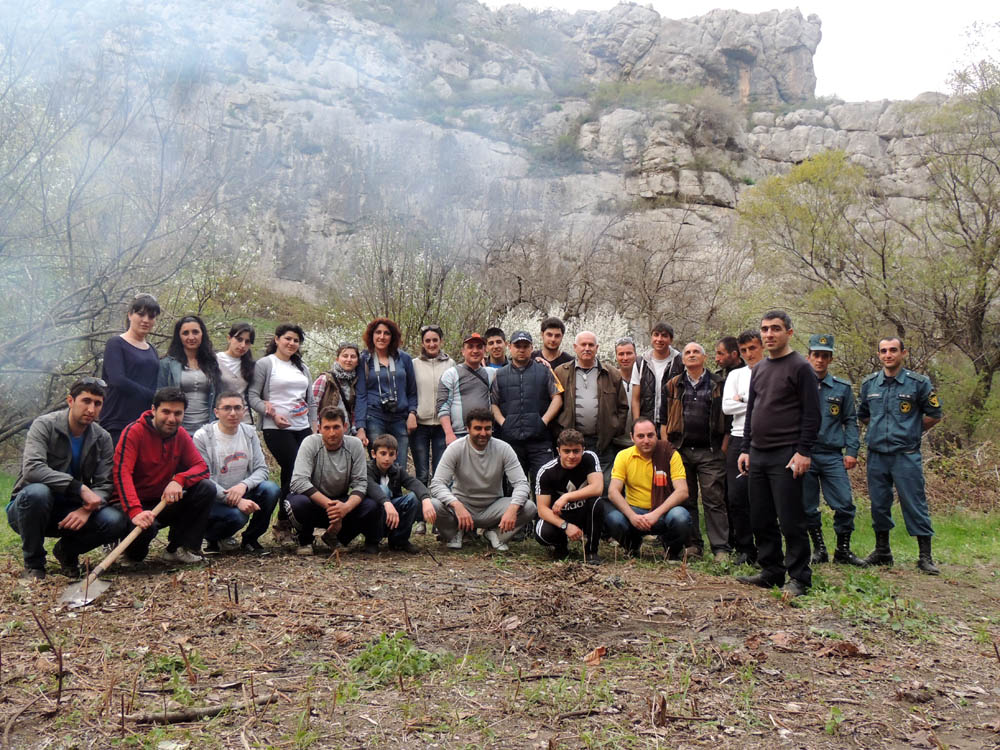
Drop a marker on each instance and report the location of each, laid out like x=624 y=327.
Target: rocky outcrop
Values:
x=453 y=112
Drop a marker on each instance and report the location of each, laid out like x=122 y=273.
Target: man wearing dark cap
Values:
x=464 y=387
x=835 y=452
x=526 y=399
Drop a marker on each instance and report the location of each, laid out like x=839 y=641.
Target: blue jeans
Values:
x=828 y=469
x=406 y=506
x=224 y=520
x=905 y=471
x=673 y=527
x=379 y=424
x=427 y=445
x=35 y=513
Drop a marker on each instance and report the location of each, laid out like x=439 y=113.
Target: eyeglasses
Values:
x=231 y=407
x=625 y=340
x=92 y=381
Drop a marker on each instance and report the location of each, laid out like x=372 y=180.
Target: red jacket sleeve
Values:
x=124 y=467
x=191 y=458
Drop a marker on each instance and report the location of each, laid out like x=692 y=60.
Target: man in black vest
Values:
x=525 y=399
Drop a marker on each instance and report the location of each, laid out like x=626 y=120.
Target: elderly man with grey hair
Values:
x=594 y=402
x=693 y=421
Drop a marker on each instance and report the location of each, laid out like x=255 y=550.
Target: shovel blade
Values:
x=80 y=594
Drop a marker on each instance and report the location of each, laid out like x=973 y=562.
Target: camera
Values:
x=389 y=404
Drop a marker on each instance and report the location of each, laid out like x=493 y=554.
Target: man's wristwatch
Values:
x=564 y=526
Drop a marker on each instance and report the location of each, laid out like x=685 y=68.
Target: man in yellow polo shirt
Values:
x=643 y=500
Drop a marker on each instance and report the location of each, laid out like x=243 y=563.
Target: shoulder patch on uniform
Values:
x=933 y=399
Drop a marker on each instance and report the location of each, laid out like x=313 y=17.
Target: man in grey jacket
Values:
x=239 y=472
x=329 y=486
x=65 y=483
x=467 y=488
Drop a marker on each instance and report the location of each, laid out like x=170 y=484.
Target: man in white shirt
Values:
x=734 y=403
x=238 y=470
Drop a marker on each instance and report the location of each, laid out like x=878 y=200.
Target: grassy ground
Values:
x=469 y=649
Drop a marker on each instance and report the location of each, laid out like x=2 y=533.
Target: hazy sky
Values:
x=876 y=49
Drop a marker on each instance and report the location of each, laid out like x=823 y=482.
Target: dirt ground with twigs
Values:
x=512 y=651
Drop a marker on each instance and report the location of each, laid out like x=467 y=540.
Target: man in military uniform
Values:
x=898 y=405
x=830 y=463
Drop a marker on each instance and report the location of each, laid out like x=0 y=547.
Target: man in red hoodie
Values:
x=156 y=458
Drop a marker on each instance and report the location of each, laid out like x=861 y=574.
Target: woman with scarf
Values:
x=387 y=388
x=427 y=442
x=337 y=387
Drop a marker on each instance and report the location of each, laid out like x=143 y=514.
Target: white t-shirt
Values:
x=232 y=455
x=737 y=382
x=232 y=380
x=659 y=367
x=287 y=392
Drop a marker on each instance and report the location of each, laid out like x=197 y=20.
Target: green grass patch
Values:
x=962 y=537
x=391 y=657
x=867 y=600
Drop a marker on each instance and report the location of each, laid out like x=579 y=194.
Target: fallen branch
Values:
x=10 y=722
x=193 y=714
x=587 y=712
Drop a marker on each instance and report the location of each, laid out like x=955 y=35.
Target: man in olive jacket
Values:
x=594 y=402
x=65 y=483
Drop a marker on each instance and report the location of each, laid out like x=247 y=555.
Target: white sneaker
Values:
x=229 y=544
x=304 y=549
x=456 y=541
x=420 y=528
x=182 y=555
x=493 y=538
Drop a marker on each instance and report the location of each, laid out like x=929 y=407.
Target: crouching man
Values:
x=156 y=459
x=65 y=483
x=238 y=470
x=647 y=492
x=568 y=492
x=400 y=492
x=329 y=486
x=467 y=488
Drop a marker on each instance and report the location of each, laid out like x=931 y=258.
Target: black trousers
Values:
x=532 y=454
x=284 y=446
x=187 y=519
x=738 y=496
x=366 y=519
x=589 y=516
x=776 y=510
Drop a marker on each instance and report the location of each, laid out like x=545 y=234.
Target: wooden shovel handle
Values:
x=122 y=546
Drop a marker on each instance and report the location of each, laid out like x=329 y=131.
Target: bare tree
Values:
x=105 y=194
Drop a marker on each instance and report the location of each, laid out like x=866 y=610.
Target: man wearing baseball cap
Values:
x=464 y=387
x=526 y=398
x=835 y=452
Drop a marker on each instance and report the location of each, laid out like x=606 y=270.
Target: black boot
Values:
x=819 y=554
x=925 y=562
x=881 y=555
x=843 y=553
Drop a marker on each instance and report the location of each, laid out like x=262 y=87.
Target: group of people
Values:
x=509 y=439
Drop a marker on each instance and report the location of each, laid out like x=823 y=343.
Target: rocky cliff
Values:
x=472 y=120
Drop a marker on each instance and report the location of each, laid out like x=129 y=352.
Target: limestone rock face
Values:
x=457 y=112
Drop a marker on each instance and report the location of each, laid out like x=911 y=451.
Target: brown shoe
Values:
x=693 y=552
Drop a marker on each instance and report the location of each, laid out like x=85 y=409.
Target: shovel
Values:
x=84 y=592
